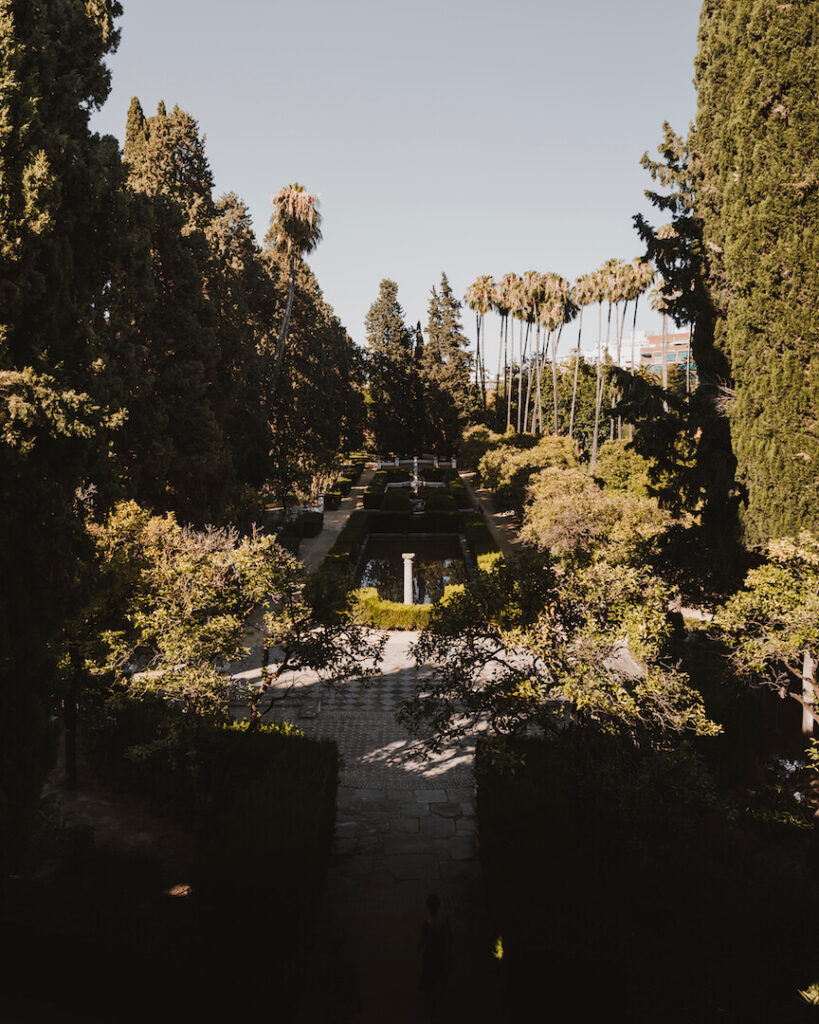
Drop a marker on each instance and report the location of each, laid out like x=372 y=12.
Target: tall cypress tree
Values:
x=173 y=450
x=758 y=139
x=59 y=210
x=392 y=374
x=450 y=400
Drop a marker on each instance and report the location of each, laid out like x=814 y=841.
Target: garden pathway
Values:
x=313 y=549
x=405 y=827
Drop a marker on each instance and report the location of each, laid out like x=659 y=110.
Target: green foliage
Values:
x=262 y=797
x=476 y=441
x=450 y=401
x=506 y=469
x=332 y=500
x=60 y=212
x=396 y=499
x=394 y=387
x=369 y=609
x=310 y=524
x=650 y=843
x=343 y=484
x=619 y=467
x=439 y=501
x=773 y=621
x=588 y=643
x=571 y=516
x=757 y=122
x=176 y=603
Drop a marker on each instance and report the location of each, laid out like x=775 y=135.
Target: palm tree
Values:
x=532 y=287
x=295 y=229
x=606 y=290
x=558 y=310
x=583 y=294
x=479 y=299
x=505 y=300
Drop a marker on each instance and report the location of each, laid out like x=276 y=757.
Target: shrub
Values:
x=396 y=500
x=310 y=524
x=289 y=540
x=440 y=501
x=343 y=484
x=332 y=500
x=371 y=610
x=372 y=499
x=460 y=494
x=506 y=470
x=262 y=800
x=475 y=443
x=479 y=538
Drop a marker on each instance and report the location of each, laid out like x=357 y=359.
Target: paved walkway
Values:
x=405 y=827
x=313 y=549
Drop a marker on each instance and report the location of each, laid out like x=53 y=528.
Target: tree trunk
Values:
x=523 y=346
x=483 y=363
x=528 y=385
x=277 y=365
x=598 y=394
x=511 y=376
x=554 y=373
x=576 y=371
x=808 y=694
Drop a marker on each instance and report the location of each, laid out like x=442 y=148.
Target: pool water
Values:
x=438 y=562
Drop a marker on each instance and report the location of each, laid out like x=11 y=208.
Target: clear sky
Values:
x=441 y=135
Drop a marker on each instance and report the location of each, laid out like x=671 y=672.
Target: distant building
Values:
x=674 y=350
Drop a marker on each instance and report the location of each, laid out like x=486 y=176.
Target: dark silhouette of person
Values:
x=436 y=937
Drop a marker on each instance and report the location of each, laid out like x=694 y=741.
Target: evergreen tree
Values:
x=173 y=453
x=756 y=136
x=686 y=265
x=59 y=209
x=393 y=374
x=322 y=369
x=450 y=400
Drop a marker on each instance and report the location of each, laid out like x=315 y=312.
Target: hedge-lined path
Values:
x=313 y=549
x=502 y=525
x=405 y=827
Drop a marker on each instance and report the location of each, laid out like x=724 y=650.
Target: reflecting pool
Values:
x=438 y=562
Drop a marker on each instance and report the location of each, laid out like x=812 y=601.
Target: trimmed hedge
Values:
x=263 y=801
x=343 y=484
x=460 y=494
x=332 y=500
x=396 y=500
x=371 y=610
x=310 y=524
x=440 y=501
x=478 y=536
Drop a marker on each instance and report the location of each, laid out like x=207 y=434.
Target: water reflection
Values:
x=438 y=562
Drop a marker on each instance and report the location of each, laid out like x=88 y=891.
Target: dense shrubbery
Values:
x=262 y=800
x=507 y=468
x=396 y=500
x=626 y=859
x=309 y=524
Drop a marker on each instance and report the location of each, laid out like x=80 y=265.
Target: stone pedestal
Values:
x=408 y=578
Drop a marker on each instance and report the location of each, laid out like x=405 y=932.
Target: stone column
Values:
x=408 y=580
